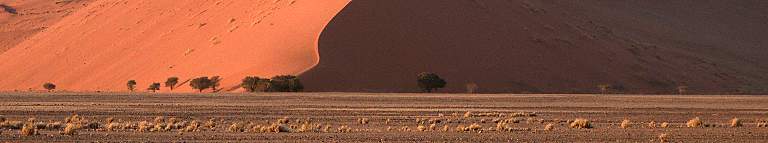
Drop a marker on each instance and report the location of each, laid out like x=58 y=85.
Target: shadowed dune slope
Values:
x=108 y=42
x=21 y=19
x=549 y=46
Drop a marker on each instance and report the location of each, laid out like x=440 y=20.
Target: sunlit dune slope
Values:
x=109 y=42
x=546 y=46
x=21 y=19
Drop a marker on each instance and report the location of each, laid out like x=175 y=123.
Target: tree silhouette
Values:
x=200 y=83
x=171 y=82
x=49 y=86
x=285 y=83
x=131 y=85
x=429 y=82
x=154 y=87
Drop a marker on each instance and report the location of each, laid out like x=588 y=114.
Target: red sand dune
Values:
x=541 y=46
x=21 y=19
x=549 y=46
x=107 y=43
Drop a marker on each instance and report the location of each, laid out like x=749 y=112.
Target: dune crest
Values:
x=108 y=42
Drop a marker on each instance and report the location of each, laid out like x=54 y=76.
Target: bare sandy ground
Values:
x=338 y=109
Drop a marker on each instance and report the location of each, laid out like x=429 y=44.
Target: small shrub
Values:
x=144 y=126
x=694 y=123
x=154 y=87
x=49 y=86
x=581 y=123
x=254 y=84
x=171 y=82
x=467 y=114
x=429 y=82
x=625 y=124
x=736 y=122
x=285 y=83
x=131 y=85
x=446 y=128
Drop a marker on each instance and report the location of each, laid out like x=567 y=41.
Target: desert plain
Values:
x=372 y=117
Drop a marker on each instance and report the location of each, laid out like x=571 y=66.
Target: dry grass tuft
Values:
x=694 y=123
x=421 y=128
x=473 y=127
x=664 y=137
x=192 y=126
x=446 y=128
x=762 y=123
x=210 y=124
x=467 y=114
x=236 y=127
x=363 y=121
x=652 y=124
x=625 y=123
x=736 y=122
x=144 y=126
x=344 y=129
x=109 y=120
x=70 y=129
x=581 y=123
x=29 y=129
x=386 y=122
x=549 y=127
x=284 y=120
x=159 y=119
x=664 y=125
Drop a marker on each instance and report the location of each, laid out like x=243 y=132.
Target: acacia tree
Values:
x=429 y=82
x=154 y=87
x=254 y=83
x=285 y=83
x=171 y=82
x=200 y=83
x=49 y=86
x=131 y=85
x=215 y=82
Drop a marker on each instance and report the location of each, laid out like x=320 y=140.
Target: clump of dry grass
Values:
x=284 y=120
x=549 y=127
x=405 y=129
x=144 y=126
x=386 y=122
x=70 y=129
x=421 y=128
x=327 y=128
x=29 y=129
x=581 y=123
x=664 y=137
x=694 y=123
x=762 y=123
x=344 y=129
x=446 y=128
x=236 y=127
x=210 y=124
x=468 y=114
x=625 y=123
x=192 y=126
x=473 y=127
x=736 y=122
x=664 y=125
x=432 y=126
x=652 y=124
x=363 y=121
